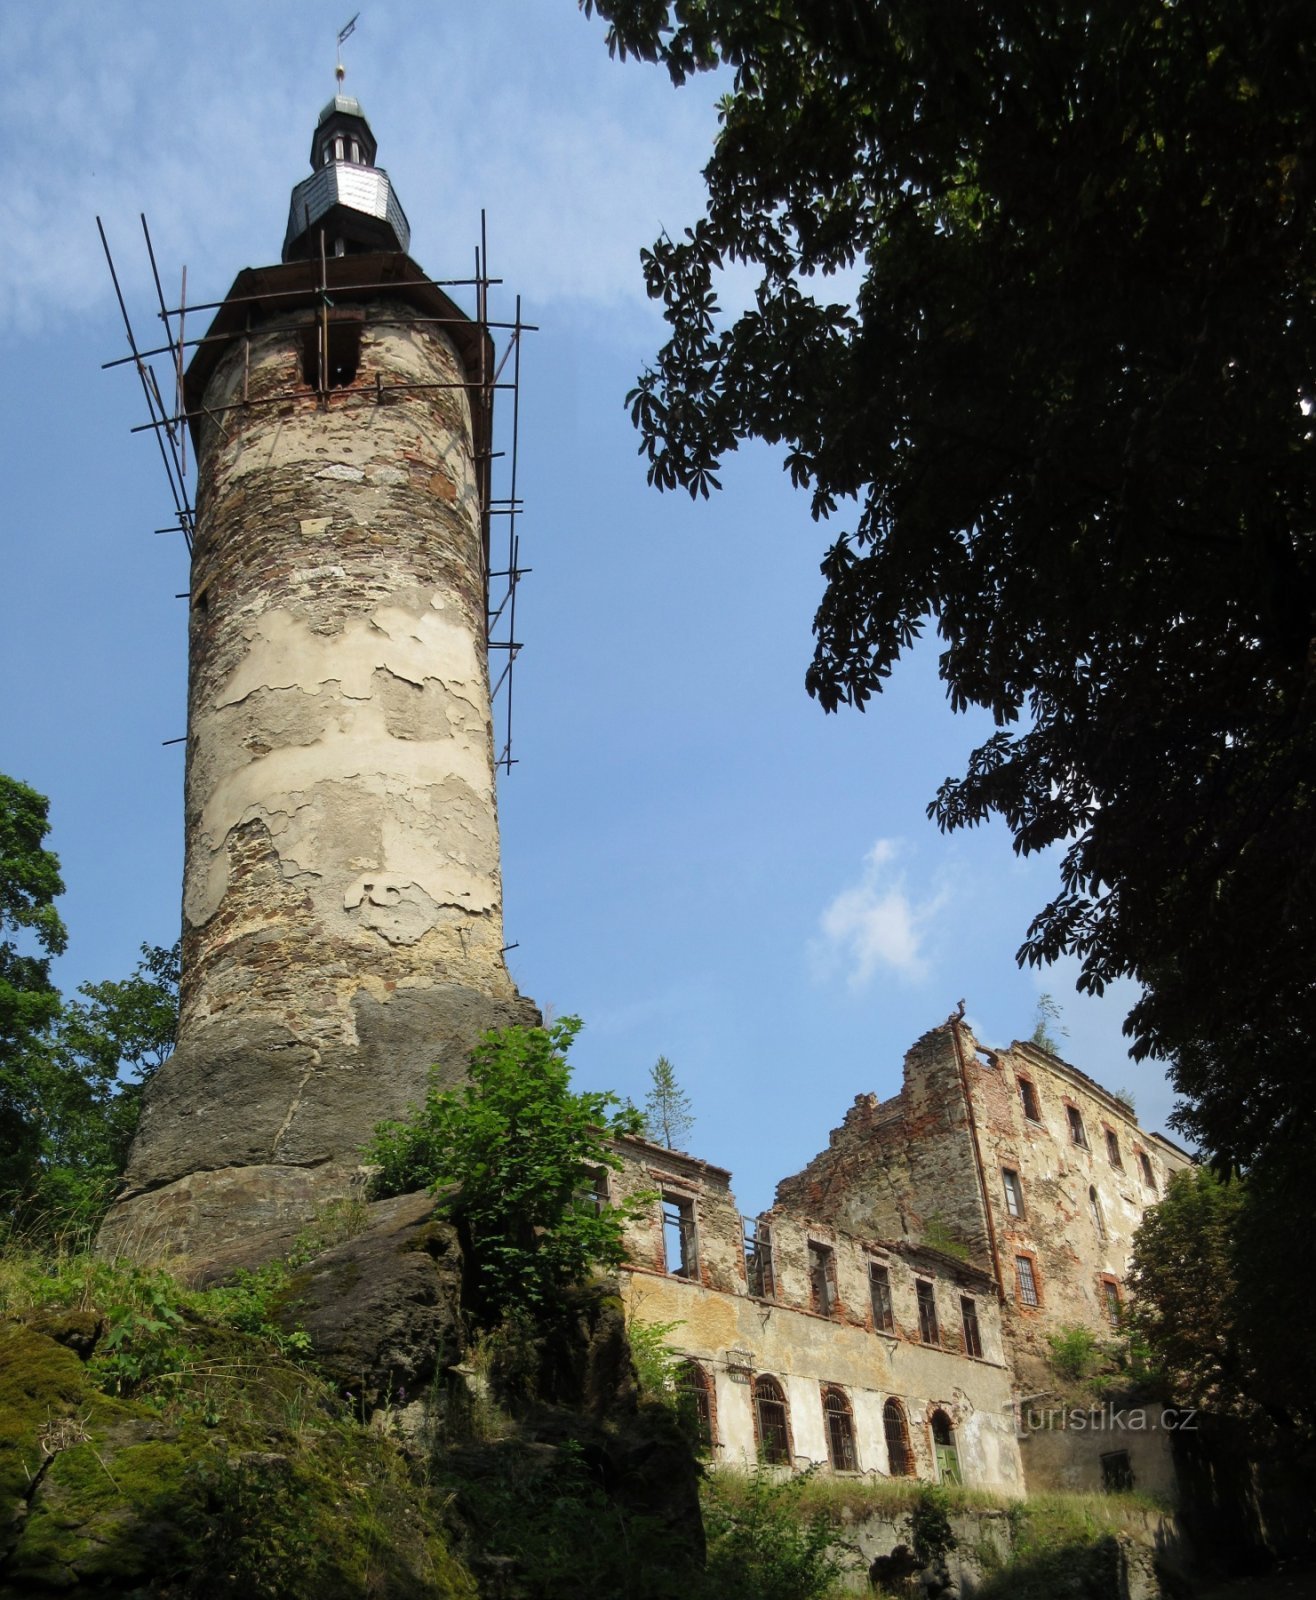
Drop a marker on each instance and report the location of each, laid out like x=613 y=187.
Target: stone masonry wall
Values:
x=342 y=911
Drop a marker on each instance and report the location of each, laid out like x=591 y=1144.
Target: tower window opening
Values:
x=338 y=148
x=344 y=353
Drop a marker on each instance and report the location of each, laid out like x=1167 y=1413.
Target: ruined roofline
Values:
x=1062 y=1068
x=694 y=1164
x=1161 y=1138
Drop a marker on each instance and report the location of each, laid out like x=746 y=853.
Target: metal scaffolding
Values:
x=161 y=368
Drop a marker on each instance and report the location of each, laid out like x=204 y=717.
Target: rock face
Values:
x=342 y=905
x=383 y=1309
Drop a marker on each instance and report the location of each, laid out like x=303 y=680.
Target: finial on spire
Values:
x=340 y=71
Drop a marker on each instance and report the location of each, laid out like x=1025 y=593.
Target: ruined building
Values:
x=891 y=1312
x=342 y=920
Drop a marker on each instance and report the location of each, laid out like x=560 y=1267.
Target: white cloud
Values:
x=876 y=924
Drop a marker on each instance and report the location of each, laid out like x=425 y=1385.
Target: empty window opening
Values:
x=985 y=1058
x=694 y=1403
x=338 y=148
x=593 y=1197
x=759 y=1279
x=1014 y=1194
x=879 y=1289
x=972 y=1332
x=1023 y=1266
x=927 y=1313
x=1077 y=1132
x=343 y=336
x=822 y=1278
x=356 y=152
x=1148 y=1176
x=1098 y=1216
x=948 y=1456
x=771 y=1423
x=1116 y=1472
x=679 y=1254
x=1028 y=1099
x=1113 y=1150
x=900 y=1458
x=1110 y=1291
x=840 y=1431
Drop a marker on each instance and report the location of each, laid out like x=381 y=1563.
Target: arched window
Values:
x=948 y=1457
x=771 y=1424
x=840 y=1431
x=694 y=1400
x=900 y=1458
x=1098 y=1217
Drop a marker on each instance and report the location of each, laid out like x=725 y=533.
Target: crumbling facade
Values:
x=927 y=1256
x=803 y=1344
x=342 y=916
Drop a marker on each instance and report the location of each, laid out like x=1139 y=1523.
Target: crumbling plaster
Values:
x=342 y=924
x=735 y=1336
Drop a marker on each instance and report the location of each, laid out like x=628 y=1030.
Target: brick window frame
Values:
x=1028 y=1099
x=929 y=1323
x=1022 y=1283
x=824 y=1297
x=1112 y=1299
x=900 y=1461
x=879 y=1297
x=1078 y=1133
x=1112 y=1142
x=970 y=1326
x=694 y=1383
x=838 y=1429
x=678 y=1214
x=1014 y=1193
x=772 y=1421
x=1145 y=1170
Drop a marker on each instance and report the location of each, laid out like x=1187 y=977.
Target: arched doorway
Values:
x=840 y=1431
x=771 y=1423
x=948 y=1456
x=900 y=1457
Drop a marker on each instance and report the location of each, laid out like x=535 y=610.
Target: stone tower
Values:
x=342 y=919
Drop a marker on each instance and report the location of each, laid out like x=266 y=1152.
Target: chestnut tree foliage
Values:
x=1059 y=408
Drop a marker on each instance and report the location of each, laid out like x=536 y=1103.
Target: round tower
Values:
x=342 y=917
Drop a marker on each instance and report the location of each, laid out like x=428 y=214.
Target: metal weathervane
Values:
x=345 y=32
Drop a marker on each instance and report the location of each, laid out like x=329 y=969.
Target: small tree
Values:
x=1046 y=1025
x=668 y=1118
x=516 y=1155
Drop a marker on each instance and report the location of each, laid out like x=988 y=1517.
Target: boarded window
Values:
x=694 y=1403
x=822 y=1278
x=759 y=1279
x=1028 y=1099
x=927 y=1313
x=840 y=1431
x=1023 y=1267
x=1014 y=1194
x=879 y=1289
x=900 y=1458
x=679 y=1252
x=948 y=1456
x=972 y=1333
x=1113 y=1149
x=1077 y=1132
x=771 y=1424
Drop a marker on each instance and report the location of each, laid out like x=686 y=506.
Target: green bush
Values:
x=1073 y=1352
x=762 y=1545
x=514 y=1155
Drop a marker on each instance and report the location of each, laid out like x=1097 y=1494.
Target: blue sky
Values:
x=696 y=860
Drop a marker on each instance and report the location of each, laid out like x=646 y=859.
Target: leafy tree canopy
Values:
x=1066 y=408
x=668 y=1117
x=516 y=1154
x=29 y=885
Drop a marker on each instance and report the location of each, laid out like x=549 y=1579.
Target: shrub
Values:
x=514 y=1154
